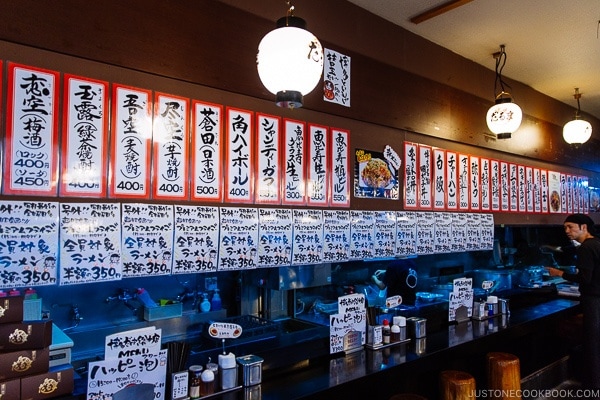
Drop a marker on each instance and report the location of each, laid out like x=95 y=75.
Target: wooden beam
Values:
x=439 y=10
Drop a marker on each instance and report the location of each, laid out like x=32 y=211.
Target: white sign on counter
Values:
x=351 y=317
x=461 y=296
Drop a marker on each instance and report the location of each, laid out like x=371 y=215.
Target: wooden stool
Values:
x=504 y=375
x=407 y=396
x=457 y=385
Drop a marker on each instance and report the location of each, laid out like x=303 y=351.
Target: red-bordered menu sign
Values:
x=451 y=180
x=439 y=179
x=31 y=131
x=317 y=174
x=170 y=138
x=207 y=142
x=485 y=166
x=239 y=174
x=463 y=182
x=269 y=164
x=474 y=183
x=340 y=167
x=84 y=145
x=294 y=191
x=411 y=176
x=131 y=140
x=425 y=187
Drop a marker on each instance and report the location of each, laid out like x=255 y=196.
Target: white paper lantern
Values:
x=577 y=131
x=504 y=118
x=290 y=63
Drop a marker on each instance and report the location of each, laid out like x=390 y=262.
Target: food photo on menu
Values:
x=375 y=176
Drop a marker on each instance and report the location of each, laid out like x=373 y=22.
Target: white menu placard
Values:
x=269 y=168
x=555 y=192
x=318 y=175
x=146 y=239
x=464 y=192
x=461 y=296
x=495 y=186
x=406 y=233
x=336 y=235
x=238 y=240
x=362 y=232
x=385 y=234
x=294 y=177
x=340 y=168
x=473 y=232
x=90 y=243
x=452 y=181
x=459 y=232
x=425 y=232
x=307 y=237
x=207 y=143
x=351 y=317
x=443 y=232
x=239 y=156
x=28 y=243
x=425 y=173
x=196 y=239
x=474 y=183
x=411 y=186
x=439 y=179
x=275 y=237
x=485 y=184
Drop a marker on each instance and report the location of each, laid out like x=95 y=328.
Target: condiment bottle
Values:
x=195 y=379
x=395 y=333
x=205 y=305
x=227 y=371
x=207 y=385
x=386 y=332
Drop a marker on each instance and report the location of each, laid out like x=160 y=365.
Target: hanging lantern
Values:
x=290 y=61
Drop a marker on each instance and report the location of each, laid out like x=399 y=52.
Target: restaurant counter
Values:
x=530 y=332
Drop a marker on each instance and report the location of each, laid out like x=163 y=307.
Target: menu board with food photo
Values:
x=375 y=176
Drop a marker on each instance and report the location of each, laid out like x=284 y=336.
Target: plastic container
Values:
x=205 y=305
x=227 y=371
x=144 y=297
x=401 y=322
x=215 y=303
x=207 y=383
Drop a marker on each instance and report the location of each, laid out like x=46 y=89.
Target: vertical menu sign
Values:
x=425 y=233
x=425 y=194
x=207 y=141
x=239 y=238
x=84 y=152
x=90 y=243
x=495 y=185
x=537 y=190
x=554 y=188
x=514 y=187
x=523 y=194
x=544 y=190
x=362 y=231
x=439 y=179
x=196 y=239
x=275 y=237
x=340 y=182
x=451 y=180
x=31 y=132
x=459 y=232
x=443 y=233
x=28 y=243
x=410 y=176
x=336 y=235
x=308 y=237
x=474 y=183
x=318 y=161
x=268 y=173
x=463 y=182
x=385 y=234
x=505 y=185
x=239 y=157
x=485 y=184
x=171 y=140
x=131 y=140
x=295 y=164
x=147 y=239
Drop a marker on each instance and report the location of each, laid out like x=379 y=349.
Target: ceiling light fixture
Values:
x=504 y=117
x=290 y=60
x=577 y=131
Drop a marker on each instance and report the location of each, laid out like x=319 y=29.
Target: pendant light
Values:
x=290 y=60
x=577 y=131
x=504 y=117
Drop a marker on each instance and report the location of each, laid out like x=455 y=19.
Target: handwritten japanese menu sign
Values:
x=463 y=182
x=269 y=168
x=196 y=239
x=239 y=156
x=544 y=191
x=90 y=243
x=147 y=239
x=406 y=233
x=459 y=232
x=308 y=237
x=443 y=232
x=294 y=180
x=238 y=242
x=170 y=139
x=474 y=183
x=486 y=226
x=461 y=296
x=275 y=242
x=522 y=189
x=28 y=243
x=485 y=184
x=351 y=317
x=425 y=191
x=131 y=140
x=336 y=78
x=452 y=181
x=134 y=367
x=340 y=159
x=410 y=176
x=84 y=147
x=495 y=185
x=473 y=232
x=317 y=178
x=385 y=234
x=505 y=186
x=336 y=236
x=31 y=132
x=207 y=139
x=514 y=187
x=362 y=233
x=529 y=187
x=425 y=233
x=439 y=179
